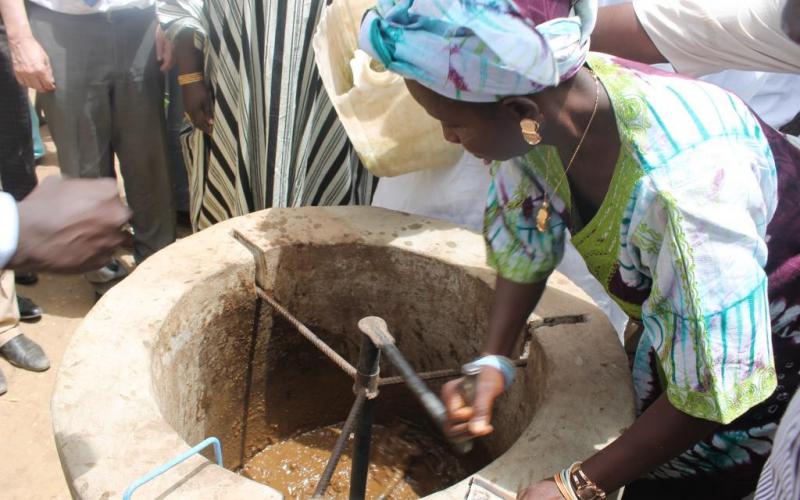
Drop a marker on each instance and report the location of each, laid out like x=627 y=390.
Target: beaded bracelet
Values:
x=500 y=363
x=190 y=78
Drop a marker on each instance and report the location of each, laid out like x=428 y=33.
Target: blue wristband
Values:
x=500 y=363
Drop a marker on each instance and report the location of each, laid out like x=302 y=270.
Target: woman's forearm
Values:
x=513 y=303
x=662 y=432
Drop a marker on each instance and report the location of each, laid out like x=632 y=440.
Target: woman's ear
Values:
x=526 y=112
x=522 y=107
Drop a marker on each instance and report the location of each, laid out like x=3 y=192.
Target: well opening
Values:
x=183 y=361
x=255 y=383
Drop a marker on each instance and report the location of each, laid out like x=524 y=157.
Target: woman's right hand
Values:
x=473 y=419
x=197 y=103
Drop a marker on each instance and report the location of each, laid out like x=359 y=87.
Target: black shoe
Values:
x=26 y=278
x=23 y=352
x=28 y=310
x=3 y=384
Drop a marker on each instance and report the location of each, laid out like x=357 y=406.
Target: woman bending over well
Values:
x=681 y=201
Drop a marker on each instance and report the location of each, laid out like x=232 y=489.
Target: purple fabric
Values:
x=540 y=11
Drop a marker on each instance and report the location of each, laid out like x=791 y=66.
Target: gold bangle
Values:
x=189 y=78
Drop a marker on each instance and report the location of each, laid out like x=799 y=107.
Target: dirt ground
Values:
x=29 y=467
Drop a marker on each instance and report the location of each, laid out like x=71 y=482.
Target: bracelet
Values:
x=500 y=363
x=189 y=78
x=566 y=493
x=577 y=486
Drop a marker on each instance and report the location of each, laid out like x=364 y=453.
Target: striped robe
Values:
x=780 y=479
x=277 y=141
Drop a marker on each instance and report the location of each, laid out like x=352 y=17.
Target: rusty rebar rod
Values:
x=338 y=449
x=342 y=363
x=309 y=335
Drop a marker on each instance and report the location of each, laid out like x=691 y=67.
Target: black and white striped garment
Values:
x=277 y=141
x=780 y=479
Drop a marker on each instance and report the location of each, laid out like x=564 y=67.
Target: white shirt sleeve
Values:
x=700 y=37
x=82 y=7
x=9 y=228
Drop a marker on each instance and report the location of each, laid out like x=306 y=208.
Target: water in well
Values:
x=408 y=458
x=406 y=462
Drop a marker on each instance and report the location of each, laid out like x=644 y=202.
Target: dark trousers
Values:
x=109 y=98
x=16 y=142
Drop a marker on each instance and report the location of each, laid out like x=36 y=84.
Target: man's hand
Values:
x=31 y=64
x=473 y=418
x=70 y=226
x=164 y=50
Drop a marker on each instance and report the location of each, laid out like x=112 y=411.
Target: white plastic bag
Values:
x=391 y=133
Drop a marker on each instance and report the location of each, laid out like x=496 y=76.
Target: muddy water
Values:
x=405 y=463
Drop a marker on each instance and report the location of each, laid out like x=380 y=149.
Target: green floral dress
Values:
x=687 y=241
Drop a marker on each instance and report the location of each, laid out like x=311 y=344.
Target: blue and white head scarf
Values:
x=480 y=50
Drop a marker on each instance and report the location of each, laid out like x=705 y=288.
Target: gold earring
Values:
x=530 y=131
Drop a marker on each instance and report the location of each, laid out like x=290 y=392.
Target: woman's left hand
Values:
x=543 y=490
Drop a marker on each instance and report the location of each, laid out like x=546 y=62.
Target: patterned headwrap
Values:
x=480 y=50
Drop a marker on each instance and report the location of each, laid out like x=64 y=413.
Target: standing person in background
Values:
x=15 y=347
x=176 y=123
x=17 y=170
x=18 y=143
x=699 y=37
x=18 y=177
x=265 y=132
x=177 y=164
x=104 y=96
x=64 y=226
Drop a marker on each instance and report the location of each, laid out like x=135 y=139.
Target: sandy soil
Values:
x=30 y=468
